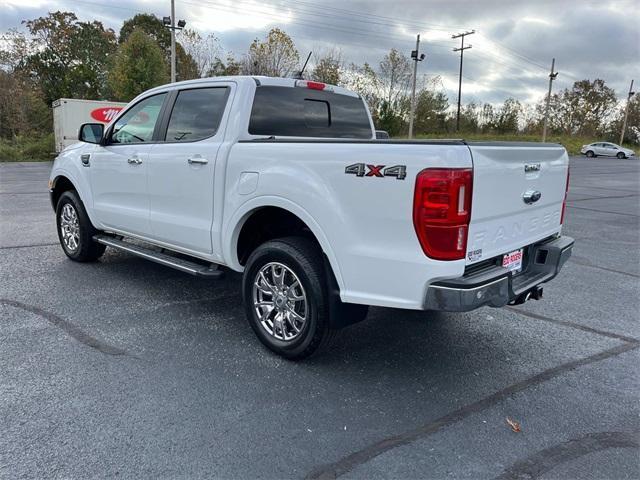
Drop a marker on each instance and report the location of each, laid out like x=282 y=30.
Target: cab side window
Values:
x=196 y=114
x=138 y=123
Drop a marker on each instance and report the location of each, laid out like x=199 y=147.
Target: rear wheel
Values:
x=590 y=154
x=75 y=230
x=285 y=297
x=621 y=155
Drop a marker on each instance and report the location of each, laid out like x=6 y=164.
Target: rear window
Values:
x=301 y=112
x=196 y=114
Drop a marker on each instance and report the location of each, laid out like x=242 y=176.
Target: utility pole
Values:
x=626 y=112
x=461 y=50
x=170 y=23
x=416 y=57
x=552 y=77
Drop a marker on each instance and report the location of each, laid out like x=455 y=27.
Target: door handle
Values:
x=197 y=160
x=134 y=161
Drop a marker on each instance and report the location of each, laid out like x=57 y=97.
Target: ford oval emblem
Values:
x=531 y=196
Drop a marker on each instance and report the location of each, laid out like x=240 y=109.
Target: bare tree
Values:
x=204 y=50
x=275 y=57
x=395 y=76
x=220 y=68
x=327 y=66
x=363 y=80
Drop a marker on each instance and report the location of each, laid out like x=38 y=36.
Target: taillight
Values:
x=566 y=194
x=442 y=210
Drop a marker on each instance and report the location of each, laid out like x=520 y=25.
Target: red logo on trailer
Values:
x=105 y=114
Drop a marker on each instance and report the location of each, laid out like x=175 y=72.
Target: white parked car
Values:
x=284 y=181
x=606 y=149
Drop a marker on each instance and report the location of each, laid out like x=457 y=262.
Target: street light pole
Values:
x=626 y=113
x=173 y=41
x=552 y=77
x=416 y=57
x=170 y=23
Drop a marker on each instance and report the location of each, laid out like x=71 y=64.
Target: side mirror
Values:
x=91 y=132
x=382 y=135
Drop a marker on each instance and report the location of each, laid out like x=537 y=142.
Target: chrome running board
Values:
x=192 y=267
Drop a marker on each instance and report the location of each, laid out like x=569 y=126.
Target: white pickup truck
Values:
x=284 y=181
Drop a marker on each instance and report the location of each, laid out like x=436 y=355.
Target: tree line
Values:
x=58 y=56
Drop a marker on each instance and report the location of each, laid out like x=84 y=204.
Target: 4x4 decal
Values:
x=360 y=170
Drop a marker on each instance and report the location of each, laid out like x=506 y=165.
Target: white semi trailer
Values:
x=70 y=113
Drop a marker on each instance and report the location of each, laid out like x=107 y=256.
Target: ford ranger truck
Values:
x=285 y=181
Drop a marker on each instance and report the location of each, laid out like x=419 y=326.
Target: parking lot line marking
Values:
x=545 y=460
x=360 y=457
x=601 y=198
x=69 y=328
x=570 y=324
x=29 y=246
x=585 y=263
x=24 y=193
x=603 y=211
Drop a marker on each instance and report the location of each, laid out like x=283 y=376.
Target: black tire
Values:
x=86 y=249
x=304 y=259
x=621 y=155
x=590 y=154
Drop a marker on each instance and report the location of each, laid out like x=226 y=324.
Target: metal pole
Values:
x=173 y=41
x=461 y=50
x=552 y=77
x=626 y=113
x=460 y=85
x=413 y=87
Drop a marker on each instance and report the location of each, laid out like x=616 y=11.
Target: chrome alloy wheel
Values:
x=70 y=227
x=280 y=301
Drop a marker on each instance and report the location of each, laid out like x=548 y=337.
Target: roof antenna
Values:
x=298 y=75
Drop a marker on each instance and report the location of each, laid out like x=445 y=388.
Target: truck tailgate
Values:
x=506 y=213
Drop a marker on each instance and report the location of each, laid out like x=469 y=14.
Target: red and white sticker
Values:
x=513 y=261
x=105 y=114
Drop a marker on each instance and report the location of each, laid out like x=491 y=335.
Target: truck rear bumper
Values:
x=495 y=286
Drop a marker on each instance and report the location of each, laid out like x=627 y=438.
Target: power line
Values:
x=516 y=62
x=315 y=24
x=420 y=25
x=304 y=19
x=515 y=53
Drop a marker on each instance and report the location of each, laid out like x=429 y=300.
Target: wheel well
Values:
x=266 y=224
x=60 y=185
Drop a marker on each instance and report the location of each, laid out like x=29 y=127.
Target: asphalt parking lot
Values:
x=126 y=368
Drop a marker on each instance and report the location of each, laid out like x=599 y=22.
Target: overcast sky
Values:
x=512 y=48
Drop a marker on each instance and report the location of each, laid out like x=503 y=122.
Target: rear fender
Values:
x=237 y=220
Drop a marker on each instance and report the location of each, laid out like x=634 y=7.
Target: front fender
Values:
x=68 y=165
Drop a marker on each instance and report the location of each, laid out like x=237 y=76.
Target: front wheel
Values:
x=590 y=154
x=75 y=230
x=621 y=155
x=285 y=297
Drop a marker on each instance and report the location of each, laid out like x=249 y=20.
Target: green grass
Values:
x=572 y=144
x=22 y=149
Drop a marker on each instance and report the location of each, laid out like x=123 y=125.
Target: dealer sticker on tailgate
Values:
x=513 y=261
